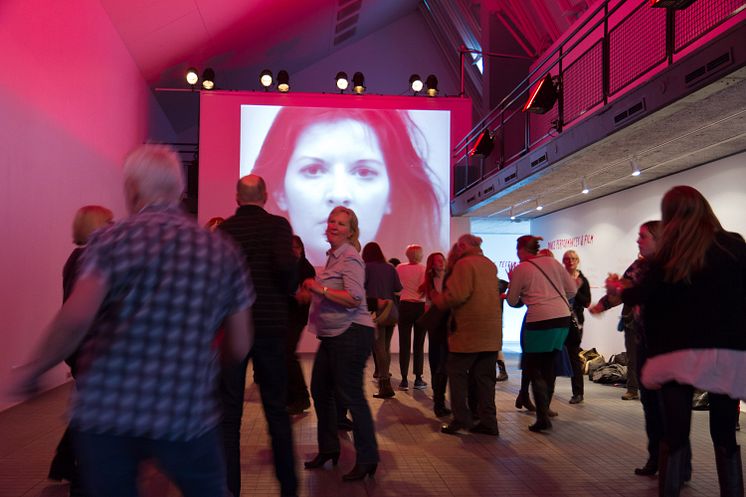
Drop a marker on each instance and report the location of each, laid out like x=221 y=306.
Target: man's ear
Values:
x=280 y=199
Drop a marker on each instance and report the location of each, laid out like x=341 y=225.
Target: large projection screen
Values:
x=387 y=158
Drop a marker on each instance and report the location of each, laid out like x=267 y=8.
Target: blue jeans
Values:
x=109 y=463
x=338 y=377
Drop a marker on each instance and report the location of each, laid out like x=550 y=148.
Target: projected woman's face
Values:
x=335 y=163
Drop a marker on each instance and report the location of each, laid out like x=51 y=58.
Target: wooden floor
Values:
x=591 y=451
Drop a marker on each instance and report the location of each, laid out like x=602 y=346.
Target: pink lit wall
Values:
x=72 y=104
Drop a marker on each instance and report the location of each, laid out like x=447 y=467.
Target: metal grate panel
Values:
x=582 y=83
x=701 y=17
x=636 y=45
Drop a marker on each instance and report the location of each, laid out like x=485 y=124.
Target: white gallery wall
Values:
x=605 y=231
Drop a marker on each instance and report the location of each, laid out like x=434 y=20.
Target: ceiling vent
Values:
x=629 y=113
x=348 y=15
x=708 y=69
x=539 y=161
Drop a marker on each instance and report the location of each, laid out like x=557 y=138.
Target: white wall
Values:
x=76 y=105
x=614 y=221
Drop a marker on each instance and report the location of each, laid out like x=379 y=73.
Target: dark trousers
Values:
x=409 y=312
x=676 y=405
x=651 y=408
x=480 y=366
x=338 y=377
x=268 y=355
x=382 y=350
x=631 y=342
x=297 y=388
x=109 y=463
x=574 y=337
x=539 y=367
x=437 y=356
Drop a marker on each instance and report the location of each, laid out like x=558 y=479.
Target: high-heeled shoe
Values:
x=360 y=471
x=540 y=426
x=321 y=459
x=523 y=400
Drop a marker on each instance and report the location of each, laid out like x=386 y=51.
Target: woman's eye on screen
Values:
x=313 y=170
x=365 y=172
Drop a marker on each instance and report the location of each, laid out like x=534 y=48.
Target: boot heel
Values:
x=320 y=460
x=360 y=471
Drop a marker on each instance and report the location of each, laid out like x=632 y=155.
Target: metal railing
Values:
x=604 y=55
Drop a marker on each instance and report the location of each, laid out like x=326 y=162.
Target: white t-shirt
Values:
x=412 y=276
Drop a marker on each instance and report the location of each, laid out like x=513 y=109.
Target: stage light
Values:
x=358 y=83
x=511 y=213
x=191 y=76
x=208 y=79
x=635 y=167
x=483 y=145
x=432 y=85
x=585 y=189
x=265 y=79
x=539 y=207
x=415 y=83
x=542 y=97
x=283 y=81
x=341 y=81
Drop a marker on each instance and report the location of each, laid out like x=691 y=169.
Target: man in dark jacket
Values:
x=266 y=241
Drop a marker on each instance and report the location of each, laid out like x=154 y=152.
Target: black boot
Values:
x=503 y=376
x=671 y=467
x=384 y=389
x=730 y=472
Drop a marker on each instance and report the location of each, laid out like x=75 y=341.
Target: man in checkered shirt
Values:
x=152 y=292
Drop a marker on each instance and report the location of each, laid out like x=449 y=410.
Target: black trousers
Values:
x=631 y=342
x=297 y=388
x=676 y=406
x=574 y=337
x=409 y=312
x=651 y=408
x=270 y=374
x=539 y=367
x=338 y=377
x=480 y=368
x=437 y=356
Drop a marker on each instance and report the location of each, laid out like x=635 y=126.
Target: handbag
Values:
x=573 y=318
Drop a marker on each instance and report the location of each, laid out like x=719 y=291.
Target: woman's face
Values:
x=439 y=263
x=335 y=163
x=646 y=243
x=571 y=260
x=338 y=229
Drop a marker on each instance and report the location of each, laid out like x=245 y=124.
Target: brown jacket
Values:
x=472 y=293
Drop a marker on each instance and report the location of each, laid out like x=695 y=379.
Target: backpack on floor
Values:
x=610 y=373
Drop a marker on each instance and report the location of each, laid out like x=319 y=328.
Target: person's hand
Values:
x=309 y=284
x=303 y=296
x=24 y=382
x=596 y=309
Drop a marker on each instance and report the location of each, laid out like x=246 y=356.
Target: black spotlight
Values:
x=192 y=76
x=265 y=79
x=415 y=83
x=358 y=81
x=208 y=79
x=283 y=81
x=542 y=97
x=484 y=144
x=432 y=85
x=341 y=81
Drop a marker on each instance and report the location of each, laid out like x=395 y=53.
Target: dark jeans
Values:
x=297 y=388
x=268 y=354
x=539 y=367
x=651 y=408
x=631 y=342
x=676 y=405
x=109 y=463
x=338 y=377
x=409 y=312
x=382 y=351
x=480 y=367
x=574 y=337
x=437 y=356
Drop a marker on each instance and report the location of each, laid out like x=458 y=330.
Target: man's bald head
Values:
x=251 y=190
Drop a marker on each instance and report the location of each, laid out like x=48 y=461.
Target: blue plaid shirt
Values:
x=148 y=366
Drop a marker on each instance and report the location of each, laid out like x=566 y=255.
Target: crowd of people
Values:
x=161 y=317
